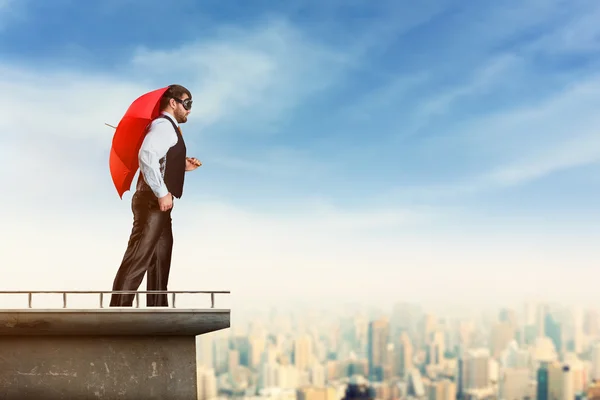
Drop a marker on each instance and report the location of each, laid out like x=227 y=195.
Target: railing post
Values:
x=212 y=300
x=29 y=296
x=137 y=300
x=173 y=299
x=101 y=300
x=64 y=300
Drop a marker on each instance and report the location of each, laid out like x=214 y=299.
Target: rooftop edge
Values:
x=114 y=321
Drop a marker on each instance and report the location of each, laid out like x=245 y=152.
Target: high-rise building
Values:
x=234 y=360
x=317 y=375
x=591 y=323
x=377 y=348
x=403 y=354
x=204 y=351
x=542 y=382
x=361 y=336
x=257 y=347
x=356 y=367
x=334 y=370
x=560 y=382
x=316 y=393
x=575 y=330
x=529 y=314
x=529 y=335
x=476 y=369
x=435 y=348
x=508 y=316
x=514 y=383
x=515 y=357
x=207 y=383
x=428 y=325
x=543 y=351
x=579 y=372
x=269 y=375
x=595 y=364
x=416 y=386
x=303 y=352
x=541 y=320
x=553 y=330
x=221 y=354
x=466 y=331
x=443 y=389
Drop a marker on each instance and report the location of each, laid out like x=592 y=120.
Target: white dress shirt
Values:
x=160 y=138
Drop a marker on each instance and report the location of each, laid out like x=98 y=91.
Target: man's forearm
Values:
x=150 y=168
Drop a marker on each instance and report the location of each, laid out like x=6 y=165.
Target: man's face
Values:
x=180 y=112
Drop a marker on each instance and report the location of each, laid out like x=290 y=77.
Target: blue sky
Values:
x=467 y=126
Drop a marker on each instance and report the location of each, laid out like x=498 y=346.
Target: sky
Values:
x=353 y=151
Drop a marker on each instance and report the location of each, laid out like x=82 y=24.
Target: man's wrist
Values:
x=162 y=192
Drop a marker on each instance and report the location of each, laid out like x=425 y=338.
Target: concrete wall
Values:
x=97 y=367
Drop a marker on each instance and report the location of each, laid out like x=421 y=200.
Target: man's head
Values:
x=177 y=101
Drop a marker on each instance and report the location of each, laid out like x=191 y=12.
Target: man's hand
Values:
x=166 y=202
x=192 y=163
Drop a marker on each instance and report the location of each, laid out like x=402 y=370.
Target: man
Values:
x=163 y=164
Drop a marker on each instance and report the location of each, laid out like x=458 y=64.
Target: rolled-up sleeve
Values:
x=159 y=139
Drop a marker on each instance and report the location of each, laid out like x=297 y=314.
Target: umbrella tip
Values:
x=110 y=125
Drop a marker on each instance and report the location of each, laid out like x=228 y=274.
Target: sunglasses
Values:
x=187 y=103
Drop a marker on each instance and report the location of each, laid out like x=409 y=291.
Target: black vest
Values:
x=172 y=166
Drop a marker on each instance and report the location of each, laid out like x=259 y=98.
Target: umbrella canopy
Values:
x=128 y=138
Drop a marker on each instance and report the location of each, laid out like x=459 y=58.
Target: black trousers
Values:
x=148 y=251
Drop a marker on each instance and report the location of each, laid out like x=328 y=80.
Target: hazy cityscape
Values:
x=533 y=351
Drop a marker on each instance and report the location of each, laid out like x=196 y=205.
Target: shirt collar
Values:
x=171 y=117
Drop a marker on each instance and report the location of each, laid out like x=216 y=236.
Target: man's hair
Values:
x=176 y=91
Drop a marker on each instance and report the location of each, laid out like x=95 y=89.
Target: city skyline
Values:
x=535 y=351
x=439 y=153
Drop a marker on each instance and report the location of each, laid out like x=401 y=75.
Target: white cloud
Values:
x=525 y=140
x=522 y=144
x=541 y=139
x=576 y=34
x=482 y=80
x=247 y=76
x=580 y=151
x=66 y=104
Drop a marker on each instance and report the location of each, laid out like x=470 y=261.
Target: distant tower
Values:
x=403 y=355
x=459 y=371
x=542 y=382
x=553 y=330
x=377 y=348
x=596 y=362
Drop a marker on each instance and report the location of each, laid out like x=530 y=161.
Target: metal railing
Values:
x=101 y=293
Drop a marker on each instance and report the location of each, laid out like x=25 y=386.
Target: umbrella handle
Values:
x=110 y=125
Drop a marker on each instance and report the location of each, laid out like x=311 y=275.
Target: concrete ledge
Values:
x=104 y=367
x=113 y=321
x=110 y=353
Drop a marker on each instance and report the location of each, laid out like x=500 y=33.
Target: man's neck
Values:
x=169 y=115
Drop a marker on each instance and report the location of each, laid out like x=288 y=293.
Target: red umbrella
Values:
x=128 y=138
